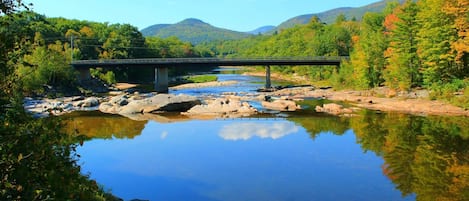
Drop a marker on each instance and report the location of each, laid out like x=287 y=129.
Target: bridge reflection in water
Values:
x=161 y=65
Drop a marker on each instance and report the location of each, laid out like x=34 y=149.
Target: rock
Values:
x=68 y=106
x=157 y=103
x=281 y=105
x=78 y=103
x=222 y=107
x=229 y=93
x=262 y=97
x=333 y=108
x=293 y=91
x=90 y=102
x=115 y=93
x=74 y=98
x=108 y=108
x=120 y=100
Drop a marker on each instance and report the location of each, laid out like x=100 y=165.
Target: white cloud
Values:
x=164 y=135
x=245 y=131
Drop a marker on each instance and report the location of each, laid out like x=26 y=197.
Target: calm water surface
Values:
x=304 y=156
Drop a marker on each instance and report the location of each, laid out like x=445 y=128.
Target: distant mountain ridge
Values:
x=194 y=31
x=330 y=15
x=262 y=30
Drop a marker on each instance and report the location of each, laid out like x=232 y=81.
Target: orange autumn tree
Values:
x=459 y=11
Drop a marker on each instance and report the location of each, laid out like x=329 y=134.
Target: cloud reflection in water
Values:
x=245 y=131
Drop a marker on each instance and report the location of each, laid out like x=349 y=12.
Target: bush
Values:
x=108 y=77
x=46 y=66
x=455 y=92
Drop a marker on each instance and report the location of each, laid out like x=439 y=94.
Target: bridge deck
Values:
x=181 y=62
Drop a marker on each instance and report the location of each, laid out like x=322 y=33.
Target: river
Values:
x=283 y=156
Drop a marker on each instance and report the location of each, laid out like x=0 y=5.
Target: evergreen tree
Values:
x=402 y=59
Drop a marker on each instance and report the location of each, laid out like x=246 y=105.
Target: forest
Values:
x=46 y=46
x=417 y=44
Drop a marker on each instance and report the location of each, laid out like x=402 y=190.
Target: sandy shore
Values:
x=363 y=99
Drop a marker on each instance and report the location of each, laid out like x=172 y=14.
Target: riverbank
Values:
x=370 y=100
x=416 y=102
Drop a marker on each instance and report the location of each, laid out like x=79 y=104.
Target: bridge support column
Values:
x=268 y=84
x=84 y=74
x=161 y=79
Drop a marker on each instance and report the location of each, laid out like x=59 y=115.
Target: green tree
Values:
x=37 y=161
x=46 y=65
x=435 y=37
x=402 y=66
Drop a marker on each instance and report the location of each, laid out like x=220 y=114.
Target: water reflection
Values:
x=428 y=156
x=247 y=130
x=38 y=161
x=99 y=125
x=366 y=157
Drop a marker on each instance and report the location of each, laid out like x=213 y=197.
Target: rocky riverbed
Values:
x=232 y=104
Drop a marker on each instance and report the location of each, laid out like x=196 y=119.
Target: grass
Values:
x=201 y=78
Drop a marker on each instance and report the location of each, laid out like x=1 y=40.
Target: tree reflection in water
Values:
x=38 y=160
x=98 y=125
x=425 y=156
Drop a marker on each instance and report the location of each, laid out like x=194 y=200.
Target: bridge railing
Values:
x=208 y=59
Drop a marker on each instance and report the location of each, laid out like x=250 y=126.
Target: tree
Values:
x=435 y=36
x=367 y=56
x=458 y=10
x=402 y=66
x=37 y=160
x=9 y=7
x=46 y=65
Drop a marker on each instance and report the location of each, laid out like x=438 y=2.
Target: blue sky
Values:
x=239 y=15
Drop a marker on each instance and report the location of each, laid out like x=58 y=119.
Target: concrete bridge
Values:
x=161 y=65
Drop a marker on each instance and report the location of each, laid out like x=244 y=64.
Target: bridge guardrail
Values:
x=206 y=60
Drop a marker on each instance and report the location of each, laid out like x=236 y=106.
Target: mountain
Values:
x=330 y=15
x=262 y=30
x=193 y=30
x=153 y=29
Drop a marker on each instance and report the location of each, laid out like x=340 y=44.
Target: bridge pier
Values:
x=268 y=84
x=84 y=74
x=161 y=79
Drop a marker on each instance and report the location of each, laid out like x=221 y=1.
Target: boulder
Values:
x=222 y=107
x=120 y=100
x=333 y=108
x=107 y=107
x=90 y=102
x=158 y=103
x=281 y=105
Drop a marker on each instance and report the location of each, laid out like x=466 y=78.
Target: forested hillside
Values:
x=194 y=31
x=414 y=44
x=48 y=45
x=329 y=16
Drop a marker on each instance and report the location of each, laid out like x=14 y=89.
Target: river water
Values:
x=286 y=156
